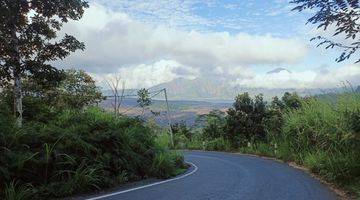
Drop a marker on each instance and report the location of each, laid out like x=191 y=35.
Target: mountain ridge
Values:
x=200 y=89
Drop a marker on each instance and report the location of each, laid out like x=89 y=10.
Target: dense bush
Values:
x=182 y=135
x=218 y=144
x=77 y=151
x=214 y=125
x=250 y=120
x=209 y=133
x=196 y=142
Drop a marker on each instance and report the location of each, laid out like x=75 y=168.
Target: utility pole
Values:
x=169 y=119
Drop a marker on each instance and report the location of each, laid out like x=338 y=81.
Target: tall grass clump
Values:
x=324 y=136
x=167 y=162
x=13 y=191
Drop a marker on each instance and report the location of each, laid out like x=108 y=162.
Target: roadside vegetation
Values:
x=67 y=145
x=321 y=133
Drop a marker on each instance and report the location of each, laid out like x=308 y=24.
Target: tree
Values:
x=144 y=99
x=114 y=85
x=238 y=122
x=77 y=90
x=291 y=100
x=245 y=120
x=277 y=104
x=274 y=120
x=201 y=120
x=343 y=15
x=28 y=41
x=181 y=129
x=214 y=124
x=258 y=116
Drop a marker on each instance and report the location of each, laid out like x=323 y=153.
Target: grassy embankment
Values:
x=77 y=151
x=321 y=134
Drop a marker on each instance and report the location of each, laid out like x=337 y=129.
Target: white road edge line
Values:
x=146 y=186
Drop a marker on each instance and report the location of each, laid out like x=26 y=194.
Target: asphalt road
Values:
x=229 y=176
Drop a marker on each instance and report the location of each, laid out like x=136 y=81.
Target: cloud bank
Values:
x=307 y=79
x=146 y=54
x=116 y=43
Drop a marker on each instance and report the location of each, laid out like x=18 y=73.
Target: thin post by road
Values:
x=169 y=118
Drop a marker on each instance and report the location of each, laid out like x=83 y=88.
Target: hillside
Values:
x=180 y=110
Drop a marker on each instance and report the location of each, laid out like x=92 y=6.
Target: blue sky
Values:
x=150 y=42
x=251 y=16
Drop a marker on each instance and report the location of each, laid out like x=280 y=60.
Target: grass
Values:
x=14 y=191
x=79 y=151
x=322 y=136
x=167 y=164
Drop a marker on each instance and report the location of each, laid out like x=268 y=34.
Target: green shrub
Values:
x=338 y=167
x=166 y=164
x=284 y=151
x=78 y=151
x=195 y=144
x=181 y=141
x=218 y=144
x=162 y=140
x=263 y=149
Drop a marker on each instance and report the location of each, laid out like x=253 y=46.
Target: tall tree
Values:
x=274 y=117
x=343 y=15
x=29 y=41
x=244 y=121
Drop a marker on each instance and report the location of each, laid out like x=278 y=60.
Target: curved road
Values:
x=230 y=176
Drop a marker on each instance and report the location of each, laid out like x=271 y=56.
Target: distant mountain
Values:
x=203 y=89
x=277 y=70
x=196 y=89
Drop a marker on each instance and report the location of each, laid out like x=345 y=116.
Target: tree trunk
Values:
x=17 y=78
x=18 y=98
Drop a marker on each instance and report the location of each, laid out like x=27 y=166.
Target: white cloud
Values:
x=305 y=79
x=347 y=73
x=148 y=75
x=283 y=79
x=117 y=43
